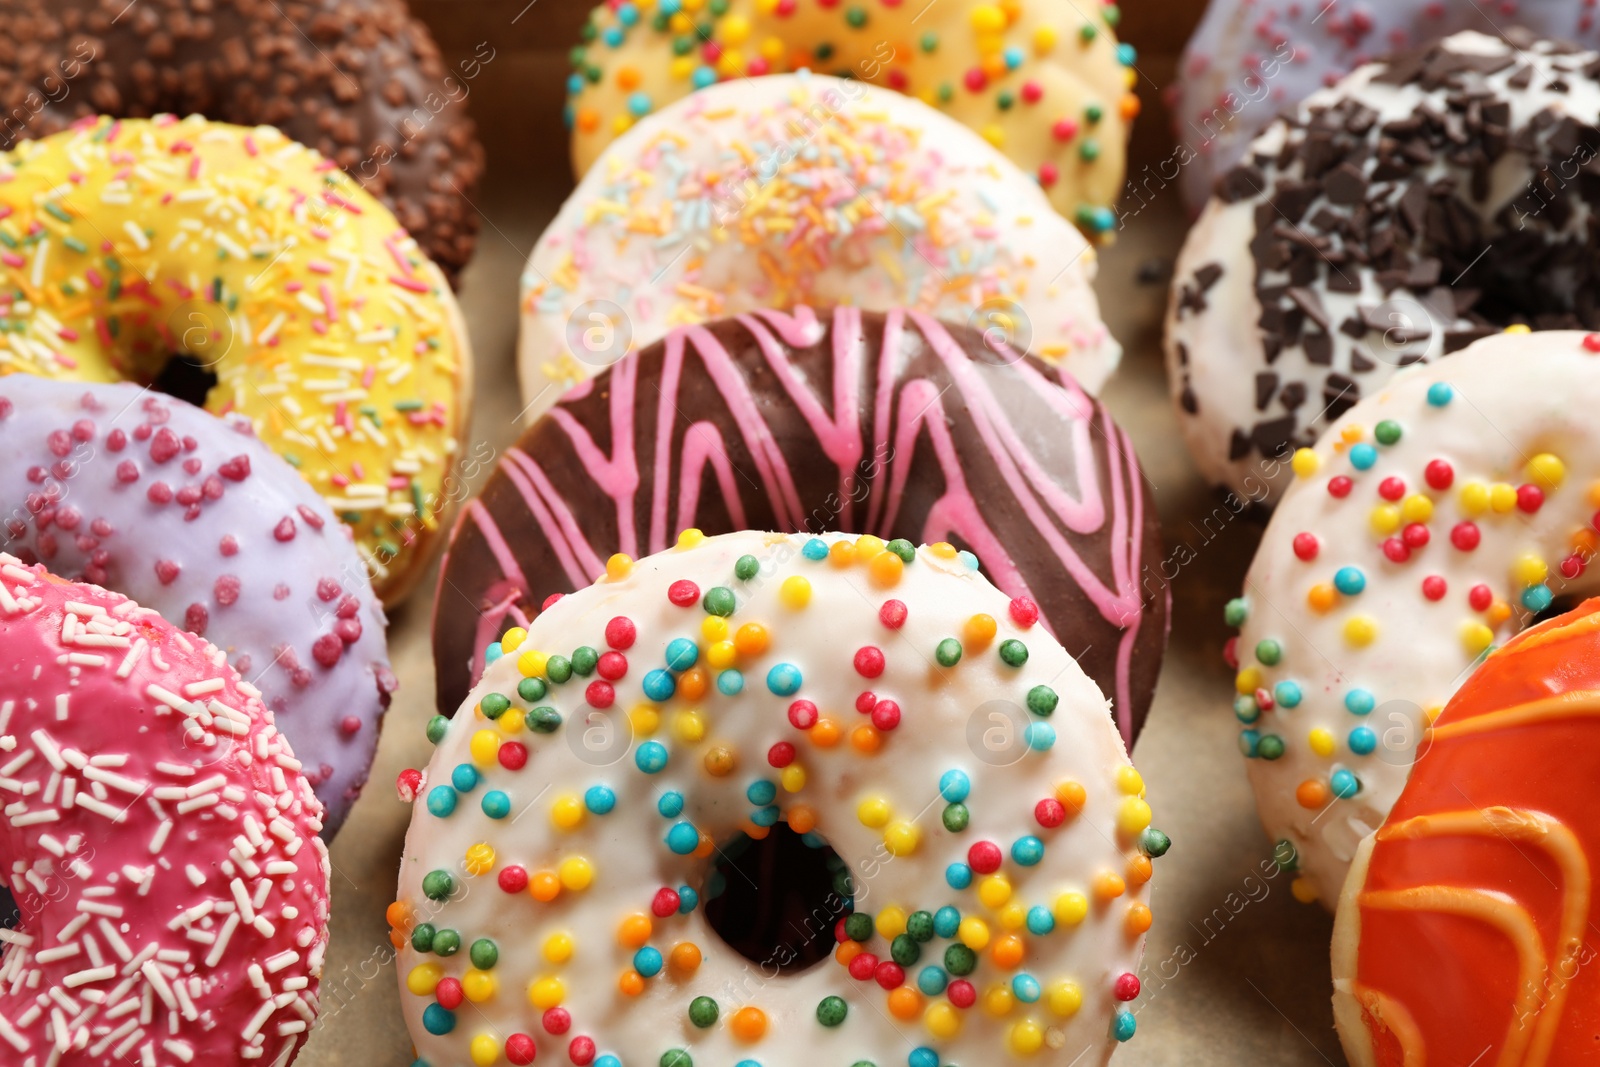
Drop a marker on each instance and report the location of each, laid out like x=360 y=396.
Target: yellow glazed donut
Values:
x=123 y=243
x=1044 y=81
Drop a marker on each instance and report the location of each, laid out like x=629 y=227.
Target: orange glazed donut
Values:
x=1469 y=923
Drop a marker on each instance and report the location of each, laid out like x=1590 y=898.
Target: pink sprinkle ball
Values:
x=889 y=975
x=513 y=879
x=1573 y=566
x=869 y=661
x=408 y=784
x=1339 y=486
x=984 y=857
x=520 y=1050
x=1591 y=342
x=962 y=993
x=683 y=593
x=1126 y=987
x=556 y=1021
x=1530 y=498
x=781 y=754
x=621 y=633
x=448 y=993
x=886 y=715
x=1439 y=474
x=1434 y=587
x=549 y=601
x=664 y=903
x=1050 y=813
x=892 y=614
x=1024 y=612
x=581 y=1051
x=866 y=702
x=1064 y=129
x=600 y=694
x=1392 y=488
x=1465 y=536
x=1305 y=546
x=1480 y=597
x=802 y=714
x=1230 y=653
x=513 y=755
x=1415 y=535
x=863 y=966
x=612 y=666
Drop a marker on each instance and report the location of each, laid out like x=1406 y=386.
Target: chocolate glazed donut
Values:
x=892 y=424
x=361 y=82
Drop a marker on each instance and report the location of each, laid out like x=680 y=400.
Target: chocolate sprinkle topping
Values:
x=1405 y=204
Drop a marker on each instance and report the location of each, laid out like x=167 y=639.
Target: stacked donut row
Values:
x=810 y=792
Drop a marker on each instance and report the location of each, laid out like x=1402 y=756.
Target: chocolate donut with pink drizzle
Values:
x=892 y=424
x=193 y=517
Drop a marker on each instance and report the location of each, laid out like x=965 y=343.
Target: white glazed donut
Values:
x=802 y=189
x=883 y=701
x=1250 y=59
x=1393 y=219
x=1432 y=522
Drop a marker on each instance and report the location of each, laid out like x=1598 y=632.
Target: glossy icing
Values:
x=1388 y=570
x=160 y=840
x=323 y=324
x=848 y=687
x=1044 y=81
x=1468 y=926
x=799 y=189
x=893 y=424
x=194 y=518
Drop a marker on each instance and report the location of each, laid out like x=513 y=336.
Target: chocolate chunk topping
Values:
x=1238 y=444
x=1346 y=185
x=1273 y=436
x=1319 y=349
x=1266 y=385
x=1241 y=183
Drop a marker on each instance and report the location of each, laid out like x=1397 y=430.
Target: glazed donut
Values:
x=594 y=915
x=682 y=221
x=1249 y=61
x=1357 y=240
x=1466 y=927
x=1045 y=82
x=122 y=242
x=160 y=840
x=1429 y=524
x=891 y=424
x=194 y=518
x=361 y=83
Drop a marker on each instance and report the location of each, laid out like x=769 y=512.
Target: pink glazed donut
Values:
x=193 y=517
x=159 y=837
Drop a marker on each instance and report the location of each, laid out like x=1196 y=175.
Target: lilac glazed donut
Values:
x=194 y=518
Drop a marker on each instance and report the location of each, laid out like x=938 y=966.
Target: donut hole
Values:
x=187 y=377
x=775 y=901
